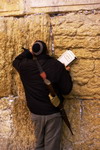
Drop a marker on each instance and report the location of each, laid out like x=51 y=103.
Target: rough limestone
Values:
x=78 y=31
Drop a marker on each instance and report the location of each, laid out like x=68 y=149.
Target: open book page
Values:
x=67 y=57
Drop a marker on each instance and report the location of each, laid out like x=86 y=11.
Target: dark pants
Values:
x=47 y=131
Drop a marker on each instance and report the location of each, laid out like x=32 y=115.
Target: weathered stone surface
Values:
x=20 y=8
x=78 y=31
x=85 y=126
x=43 y=3
x=17 y=132
x=85 y=80
x=77 y=42
x=5 y=67
x=83 y=39
x=90 y=127
x=11 y=7
x=16 y=127
x=41 y=6
x=15 y=33
x=97 y=70
x=71 y=38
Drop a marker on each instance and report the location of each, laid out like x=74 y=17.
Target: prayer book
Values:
x=67 y=57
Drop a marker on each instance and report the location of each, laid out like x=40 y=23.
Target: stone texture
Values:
x=16 y=130
x=85 y=126
x=78 y=31
x=81 y=35
x=13 y=35
x=42 y=6
x=90 y=127
x=43 y=3
x=16 y=127
x=21 y=7
x=11 y=7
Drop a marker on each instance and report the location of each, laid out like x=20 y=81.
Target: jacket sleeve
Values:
x=65 y=83
x=18 y=60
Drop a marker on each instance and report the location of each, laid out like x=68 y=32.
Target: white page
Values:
x=67 y=57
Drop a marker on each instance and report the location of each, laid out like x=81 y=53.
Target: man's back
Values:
x=37 y=94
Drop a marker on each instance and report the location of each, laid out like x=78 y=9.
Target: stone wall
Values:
x=79 y=30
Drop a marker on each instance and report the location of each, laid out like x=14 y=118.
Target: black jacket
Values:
x=35 y=90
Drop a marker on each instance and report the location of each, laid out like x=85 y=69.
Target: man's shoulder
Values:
x=54 y=65
x=56 y=62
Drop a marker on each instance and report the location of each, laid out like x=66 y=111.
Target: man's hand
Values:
x=67 y=68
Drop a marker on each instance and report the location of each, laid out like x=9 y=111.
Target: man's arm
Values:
x=18 y=60
x=65 y=83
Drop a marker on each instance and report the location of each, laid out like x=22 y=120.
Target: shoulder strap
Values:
x=44 y=77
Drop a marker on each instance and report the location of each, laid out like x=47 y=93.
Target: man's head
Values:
x=39 y=47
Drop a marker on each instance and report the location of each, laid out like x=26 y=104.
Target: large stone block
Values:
x=16 y=127
x=41 y=6
x=67 y=35
x=77 y=42
x=90 y=125
x=5 y=59
x=76 y=31
x=85 y=126
x=97 y=63
x=11 y=7
x=15 y=33
x=89 y=30
x=72 y=108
